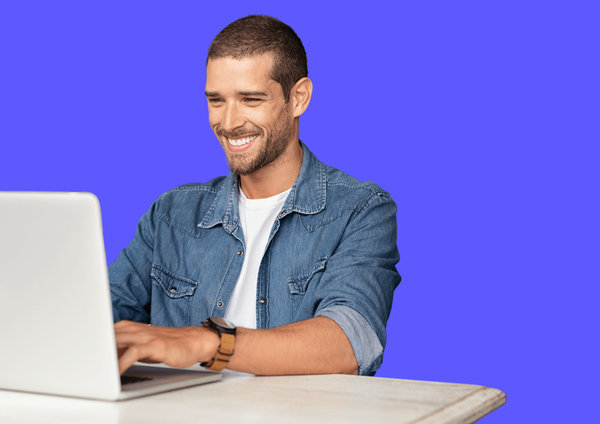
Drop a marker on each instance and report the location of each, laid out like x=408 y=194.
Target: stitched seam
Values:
x=329 y=221
x=369 y=201
x=173 y=275
x=198 y=188
x=323 y=186
x=189 y=289
x=362 y=185
x=209 y=213
x=319 y=267
x=372 y=188
x=172 y=225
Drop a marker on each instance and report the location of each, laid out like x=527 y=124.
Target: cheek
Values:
x=213 y=121
x=215 y=115
x=267 y=120
x=212 y=117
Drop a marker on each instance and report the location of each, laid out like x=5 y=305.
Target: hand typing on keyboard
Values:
x=176 y=347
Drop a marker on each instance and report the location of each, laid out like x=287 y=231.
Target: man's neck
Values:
x=276 y=177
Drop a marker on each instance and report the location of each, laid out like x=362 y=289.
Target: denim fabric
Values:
x=331 y=252
x=367 y=347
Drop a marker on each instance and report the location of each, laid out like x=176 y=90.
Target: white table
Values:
x=244 y=398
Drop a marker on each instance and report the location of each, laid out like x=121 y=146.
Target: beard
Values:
x=267 y=151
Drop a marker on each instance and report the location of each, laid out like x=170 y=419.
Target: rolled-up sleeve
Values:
x=367 y=348
x=357 y=287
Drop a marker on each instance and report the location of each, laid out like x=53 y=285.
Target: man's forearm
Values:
x=314 y=346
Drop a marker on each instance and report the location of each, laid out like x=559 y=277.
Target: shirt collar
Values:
x=308 y=195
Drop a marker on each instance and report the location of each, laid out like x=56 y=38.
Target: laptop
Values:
x=56 y=323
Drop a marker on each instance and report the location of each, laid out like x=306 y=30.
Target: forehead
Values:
x=233 y=75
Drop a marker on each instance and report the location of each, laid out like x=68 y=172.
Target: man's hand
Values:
x=176 y=347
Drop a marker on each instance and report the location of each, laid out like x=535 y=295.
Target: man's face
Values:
x=247 y=112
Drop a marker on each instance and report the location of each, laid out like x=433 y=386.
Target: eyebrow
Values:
x=252 y=93
x=239 y=93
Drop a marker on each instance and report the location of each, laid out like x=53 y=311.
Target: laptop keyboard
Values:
x=128 y=379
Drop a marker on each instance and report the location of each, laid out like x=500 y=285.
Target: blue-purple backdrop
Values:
x=480 y=118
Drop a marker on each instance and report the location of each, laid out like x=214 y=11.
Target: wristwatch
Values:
x=226 y=332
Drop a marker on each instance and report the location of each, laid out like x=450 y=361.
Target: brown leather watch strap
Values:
x=223 y=354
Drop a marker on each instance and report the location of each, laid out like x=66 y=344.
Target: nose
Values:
x=233 y=118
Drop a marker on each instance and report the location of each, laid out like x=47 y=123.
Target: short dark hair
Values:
x=258 y=34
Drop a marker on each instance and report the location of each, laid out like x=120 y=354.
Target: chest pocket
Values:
x=171 y=298
x=298 y=287
x=174 y=286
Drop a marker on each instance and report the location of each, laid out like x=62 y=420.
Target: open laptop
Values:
x=56 y=323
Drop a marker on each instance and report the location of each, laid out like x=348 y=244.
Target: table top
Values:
x=241 y=397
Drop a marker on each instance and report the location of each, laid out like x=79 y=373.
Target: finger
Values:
x=123 y=323
x=149 y=361
x=124 y=339
x=142 y=333
x=135 y=353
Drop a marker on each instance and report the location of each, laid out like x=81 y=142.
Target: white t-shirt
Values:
x=256 y=219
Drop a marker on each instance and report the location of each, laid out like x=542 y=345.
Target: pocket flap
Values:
x=299 y=284
x=174 y=286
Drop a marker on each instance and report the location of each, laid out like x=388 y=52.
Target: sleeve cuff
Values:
x=367 y=347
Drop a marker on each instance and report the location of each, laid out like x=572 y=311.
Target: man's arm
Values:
x=314 y=346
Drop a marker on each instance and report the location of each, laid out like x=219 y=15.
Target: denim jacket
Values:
x=331 y=252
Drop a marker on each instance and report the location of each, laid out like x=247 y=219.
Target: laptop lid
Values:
x=55 y=308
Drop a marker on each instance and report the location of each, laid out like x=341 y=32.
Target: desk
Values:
x=244 y=398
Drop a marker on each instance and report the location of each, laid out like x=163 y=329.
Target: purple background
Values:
x=480 y=118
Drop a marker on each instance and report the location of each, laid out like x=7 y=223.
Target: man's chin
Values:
x=239 y=166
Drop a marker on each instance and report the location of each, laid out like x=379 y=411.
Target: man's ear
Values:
x=300 y=96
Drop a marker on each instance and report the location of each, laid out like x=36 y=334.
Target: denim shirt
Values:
x=331 y=252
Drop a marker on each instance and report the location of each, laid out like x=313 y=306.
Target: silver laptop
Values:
x=56 y=323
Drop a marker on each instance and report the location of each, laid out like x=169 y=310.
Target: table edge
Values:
x=459 y=412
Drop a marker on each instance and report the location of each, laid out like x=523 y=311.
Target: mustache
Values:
x=238 y=132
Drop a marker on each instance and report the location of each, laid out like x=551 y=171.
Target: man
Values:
x=299 y=256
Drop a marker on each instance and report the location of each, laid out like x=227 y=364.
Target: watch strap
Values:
x=223 y=354
x=224 y=351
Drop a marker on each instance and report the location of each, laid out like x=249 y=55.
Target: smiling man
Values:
x=285 y=266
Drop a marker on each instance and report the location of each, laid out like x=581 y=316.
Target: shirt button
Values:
x=173 y=289
x=220 y=304
x=282 y=212
x=262 y=301
x=240 y=253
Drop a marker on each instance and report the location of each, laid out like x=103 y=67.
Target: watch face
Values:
x=222 y=322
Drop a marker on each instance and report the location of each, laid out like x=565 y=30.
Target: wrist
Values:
x=210 y=342
x=226 y=332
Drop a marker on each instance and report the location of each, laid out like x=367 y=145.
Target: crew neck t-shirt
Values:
x=256 y=219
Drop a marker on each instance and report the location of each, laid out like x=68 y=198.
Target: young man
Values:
x=299 y=256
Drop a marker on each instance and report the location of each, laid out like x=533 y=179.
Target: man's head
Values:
x=254 y=120
x=259 y=34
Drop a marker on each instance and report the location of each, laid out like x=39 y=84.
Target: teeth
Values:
x=241 y=141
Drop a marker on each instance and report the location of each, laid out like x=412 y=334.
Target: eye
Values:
x=251 y=100
x=214 y=100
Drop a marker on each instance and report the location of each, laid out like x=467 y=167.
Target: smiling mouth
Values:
x=241 y=141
